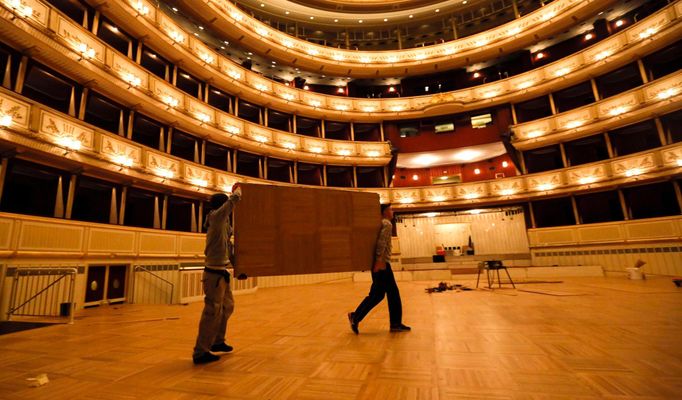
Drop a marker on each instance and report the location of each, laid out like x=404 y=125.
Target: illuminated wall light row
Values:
x=265 y=31
x=613 y=112
x=392 y=59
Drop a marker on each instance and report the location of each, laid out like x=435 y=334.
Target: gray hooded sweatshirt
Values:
x=218 y=233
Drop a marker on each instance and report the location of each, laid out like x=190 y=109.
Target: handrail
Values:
x=172 y=285
x=31 y=271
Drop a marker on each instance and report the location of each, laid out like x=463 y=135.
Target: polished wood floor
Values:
x=585 y=338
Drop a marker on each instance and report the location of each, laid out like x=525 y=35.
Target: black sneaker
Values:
x=353 y=324
x=400 y=328
x=205 y=358
x=221 y=348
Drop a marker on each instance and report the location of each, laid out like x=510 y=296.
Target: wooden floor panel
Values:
x=609 y=339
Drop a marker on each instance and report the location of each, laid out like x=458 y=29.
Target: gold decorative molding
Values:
x=65 y=133
x=662 y=27
x=655 y=98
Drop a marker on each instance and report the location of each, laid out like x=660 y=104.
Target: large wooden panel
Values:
x=290 y=231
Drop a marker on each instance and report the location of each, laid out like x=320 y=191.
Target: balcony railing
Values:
x=71 y=138
x=648 y=35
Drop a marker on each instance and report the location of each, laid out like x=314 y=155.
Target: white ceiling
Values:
x=461 y=155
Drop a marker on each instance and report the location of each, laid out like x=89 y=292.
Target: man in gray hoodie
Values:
x=218 y=300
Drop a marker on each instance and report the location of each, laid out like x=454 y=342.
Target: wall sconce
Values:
x=133 y=81
x=141 y=8
x=534 y=134
x=207 y=58
x=69 y=143
x=233 y=130
x=633 y=172
x=199 y=182
x=261 y=87
x=667 y=93
x=123 y=161
x=176 y=37
x=85 y=51
x=477 y=171
x=415 y=177
x=617 y=110
x=602 y=55
x=20 y=9
x=505 y=164
x=562 y=71
x=165 y=173
x=5 y=120
x=171 y=102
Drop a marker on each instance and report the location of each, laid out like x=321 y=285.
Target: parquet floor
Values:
x=586 y=338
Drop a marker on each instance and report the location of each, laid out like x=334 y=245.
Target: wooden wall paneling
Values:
x=293 y=231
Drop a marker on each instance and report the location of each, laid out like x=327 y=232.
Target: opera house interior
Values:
x=531 y=151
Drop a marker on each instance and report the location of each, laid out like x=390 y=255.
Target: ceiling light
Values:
x=620 y=23
x=540 y=56
x=477 y=75
x=340 y=90
x=426 y=159
x=589 y=36
x=467 y=155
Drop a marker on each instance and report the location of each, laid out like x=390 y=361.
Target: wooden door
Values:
x=94 y=289
x=116 y=282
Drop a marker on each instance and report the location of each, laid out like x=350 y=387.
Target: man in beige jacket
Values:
x=218 y=300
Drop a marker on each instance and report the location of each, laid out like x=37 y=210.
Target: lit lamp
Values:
x=123 y=160
x=20 y=9
x=5 y=120
x=69 y=142
x=141 y=8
